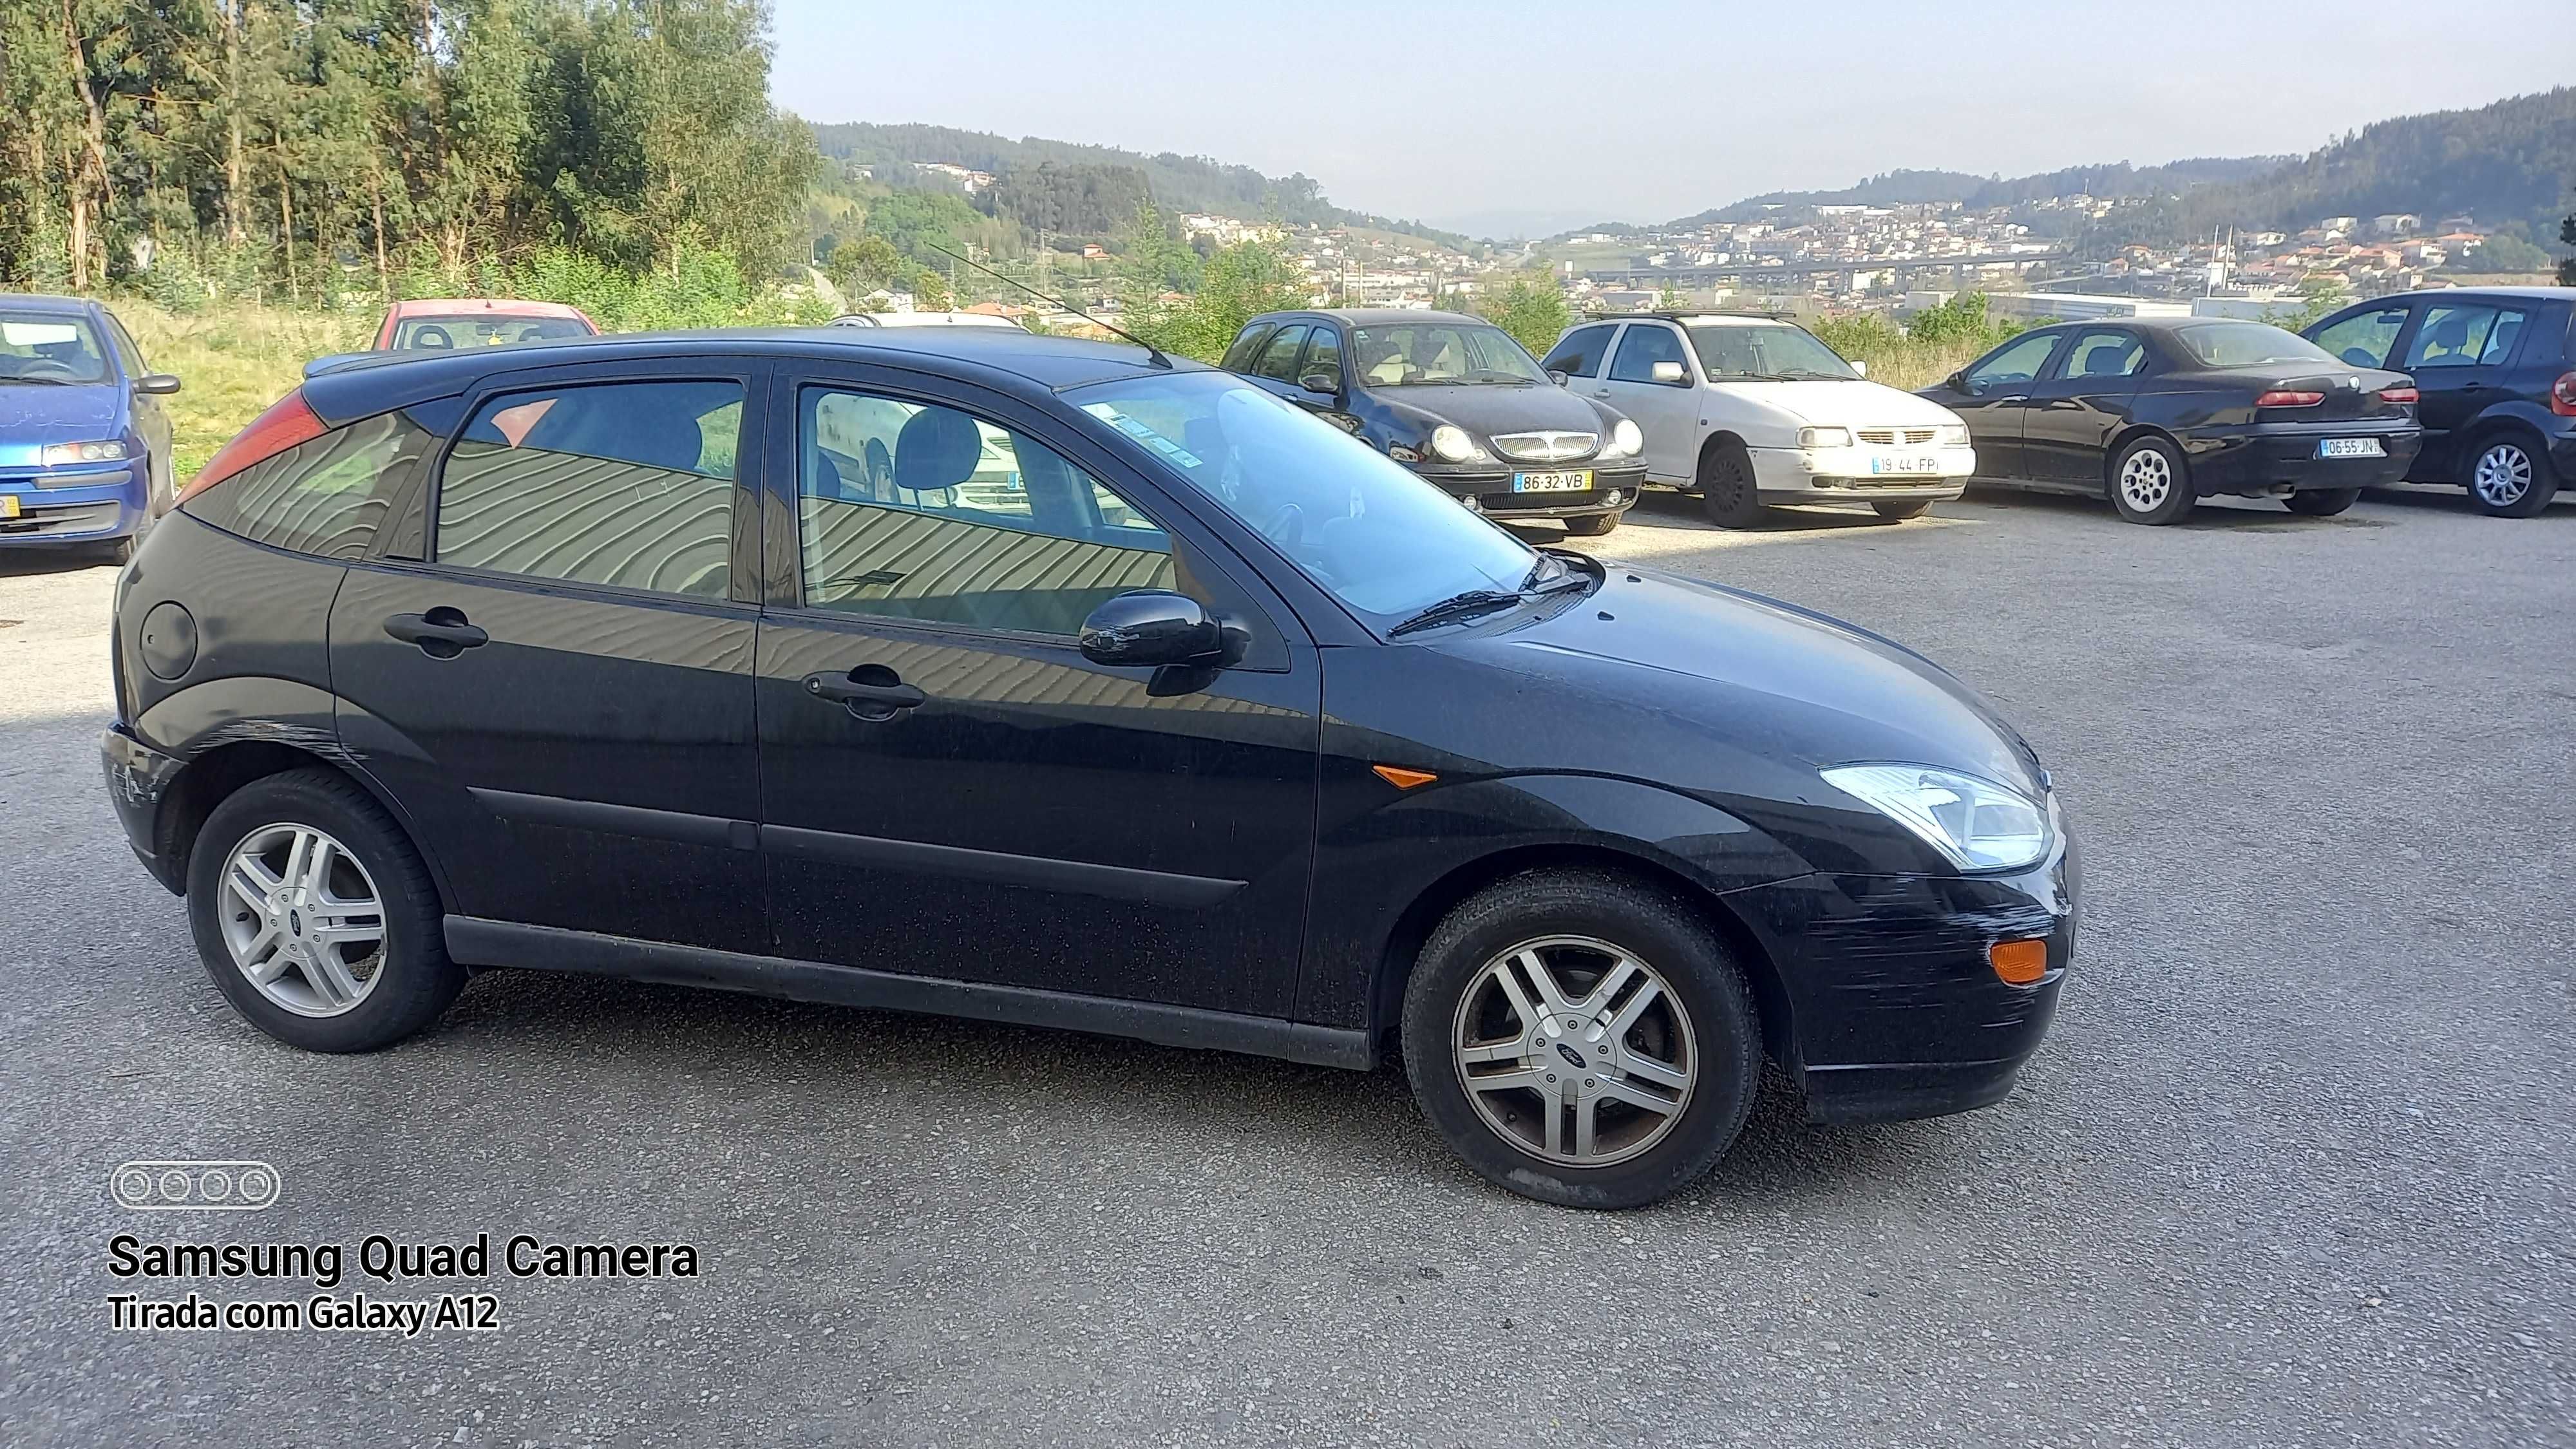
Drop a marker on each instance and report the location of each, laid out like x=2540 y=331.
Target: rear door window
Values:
x=628 y=485
x=1578 y=353
x=2463 y=334
x=327 y=496
x=2104 y=352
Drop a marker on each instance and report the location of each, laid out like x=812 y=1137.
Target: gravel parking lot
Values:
x=2297 y=1166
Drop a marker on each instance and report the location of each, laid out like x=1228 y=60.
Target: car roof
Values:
x=2534 y=293
x=1372 y=316
x=1006 y=358
x=496 y=306
x=47 y=302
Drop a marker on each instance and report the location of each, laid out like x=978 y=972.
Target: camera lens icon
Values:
x=205 y=1186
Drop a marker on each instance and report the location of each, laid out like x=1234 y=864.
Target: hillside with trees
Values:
x=1176 y=183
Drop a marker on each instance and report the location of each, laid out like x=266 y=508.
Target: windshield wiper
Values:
x=1458 y=606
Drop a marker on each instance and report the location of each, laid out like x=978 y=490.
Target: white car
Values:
x=924 y=319
x=1748 y=411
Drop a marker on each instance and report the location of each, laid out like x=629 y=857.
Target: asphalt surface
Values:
x=2297 y=1166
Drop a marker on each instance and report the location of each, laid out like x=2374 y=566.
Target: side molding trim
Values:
x=473 y=941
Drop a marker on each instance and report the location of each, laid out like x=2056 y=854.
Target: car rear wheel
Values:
x=316 y=918
x=1592 y=525
x=1899 y=512
x=1726 y=486
x=1581 y=1039
x=2150 y=483
x=2510 y=479
x=2322 y=502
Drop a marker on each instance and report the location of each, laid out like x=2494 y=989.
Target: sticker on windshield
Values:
x=37 y=334
x=1109 y=413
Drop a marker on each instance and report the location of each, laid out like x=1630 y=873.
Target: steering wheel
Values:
x=1287 y=527
x=45 y=366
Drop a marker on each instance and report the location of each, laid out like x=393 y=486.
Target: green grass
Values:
x=232 y=362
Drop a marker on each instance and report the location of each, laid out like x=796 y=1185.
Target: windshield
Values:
x=38 y=348
x=2248 y=344
x=437 y=333
x=1363 y=527
x=1763 y=351
x=1412 y=354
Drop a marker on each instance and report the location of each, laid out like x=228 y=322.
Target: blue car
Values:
x=84 y=438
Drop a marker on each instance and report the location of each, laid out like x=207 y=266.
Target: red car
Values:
x=439 y=323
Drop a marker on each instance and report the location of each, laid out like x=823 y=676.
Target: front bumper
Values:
x=1894 y=1011
x=139 y=778
x=2282 y=457
x=1861 y=474
x=1490 y=485
x=72 y=507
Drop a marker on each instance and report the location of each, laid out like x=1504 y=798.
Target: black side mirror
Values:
x=158 y=384
x=1158 y=627
x=1327 y=383
x=1958 y=382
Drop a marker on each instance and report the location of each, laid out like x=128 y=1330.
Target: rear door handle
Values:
x=871 y=691
x=441 y=633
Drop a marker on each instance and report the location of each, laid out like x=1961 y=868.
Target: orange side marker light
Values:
x=1402 y=778
x=2019 y=962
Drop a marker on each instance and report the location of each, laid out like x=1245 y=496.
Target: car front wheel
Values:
x=1592 y=525
x=1899 y=512
x=2150 y=483
x=2323 y=502
x=2510 y=479
x=1727 y=488
x=1581 y=1039
x=315 y=916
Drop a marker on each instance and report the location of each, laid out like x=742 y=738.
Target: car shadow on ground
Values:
x=1681 y=513
x=16 y=563
x=1364 y=1124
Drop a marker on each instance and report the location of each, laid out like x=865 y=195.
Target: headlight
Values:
x=1977 y=824
x=1824 y=437
x=1452 y=444
x=1625 y=440
x=57 y=454
x=1954 y=435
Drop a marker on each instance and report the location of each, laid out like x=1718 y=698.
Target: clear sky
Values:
x=1494 y=115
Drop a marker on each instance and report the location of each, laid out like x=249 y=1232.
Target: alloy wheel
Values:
x=303 y=920
x=2146 y=480
x=1574 y=1051
x=2502 y=476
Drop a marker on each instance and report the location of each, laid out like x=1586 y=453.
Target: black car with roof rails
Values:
x=972 y=672
x=2495 y=371
x=2158 y=413
x=1456 y=400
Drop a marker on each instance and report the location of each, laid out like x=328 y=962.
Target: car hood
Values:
x=1766 y=677
x=1485 y=409
x=32 y=417
x=1842 y=403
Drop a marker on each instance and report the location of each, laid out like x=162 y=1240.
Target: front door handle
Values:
x=871 y=691
x=441 y=633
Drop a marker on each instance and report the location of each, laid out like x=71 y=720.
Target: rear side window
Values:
x=1238 y=358
x=1578 y=353
x=2464 y=335
x=624 y=484
x=326 y=496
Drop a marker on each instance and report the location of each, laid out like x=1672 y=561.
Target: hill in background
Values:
x=1085 y=182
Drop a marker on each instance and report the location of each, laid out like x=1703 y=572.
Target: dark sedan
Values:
x=2159 y=413
x=1456 y=400
x=1125 y=698
x=2497 y=370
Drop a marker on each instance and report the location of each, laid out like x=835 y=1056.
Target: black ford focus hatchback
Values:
x=1052 y=682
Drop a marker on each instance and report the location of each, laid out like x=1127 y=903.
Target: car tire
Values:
x=116 y=551
x=325 y=993
x=2509 y=478
x=1698 y=1014
x=1726 y=485
x=1591 y=525
x=1899 y=512
x=2150 y=483
x=2322 y=502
